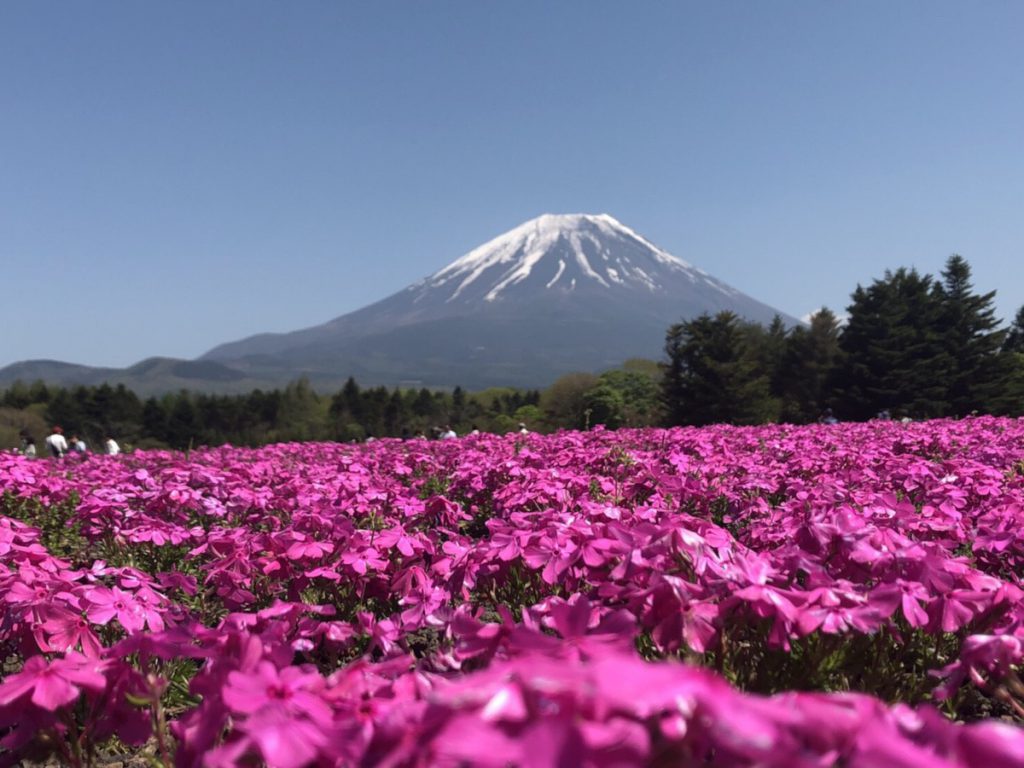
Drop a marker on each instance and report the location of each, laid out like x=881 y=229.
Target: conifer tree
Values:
x=894 y=357
x=712 y=375
x=970 y=332
x=809 y=359
x=1015 y=337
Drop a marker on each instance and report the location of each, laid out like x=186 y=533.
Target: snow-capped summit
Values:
x=562 y=252
x=559 y=293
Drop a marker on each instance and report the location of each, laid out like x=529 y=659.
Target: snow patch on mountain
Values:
x=558 y=274
x=596 y=249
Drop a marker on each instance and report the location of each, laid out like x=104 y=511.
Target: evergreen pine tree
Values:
x=673 y=383
x=712 y=375
x=154 y=420
x=458 y=411
x=182 y=425
x=894 y=356
x=970 y=331
x=809 y=359
x=1015 y=337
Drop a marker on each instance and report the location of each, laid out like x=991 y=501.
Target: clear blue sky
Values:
x=176 y=175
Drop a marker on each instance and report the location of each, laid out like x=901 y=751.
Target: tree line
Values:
x=911 y=346
x=295 y=412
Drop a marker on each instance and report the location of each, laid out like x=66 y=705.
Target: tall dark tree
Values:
x=394 y=413
x=458 y=412
x=299 y=414
x=767 y=348
x=712 y=374
x=895 y=357
x=1015 y=337
x=38 y=392
x=65 y=410
x=182 y=424
x=969 y=328
x=154 y=420
x=809 y=358
x=424 y=404
x=17 y=396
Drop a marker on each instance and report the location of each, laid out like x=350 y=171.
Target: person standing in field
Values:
x=56 y=443
x=78 y=444
x=28 y=444
x=111 y=446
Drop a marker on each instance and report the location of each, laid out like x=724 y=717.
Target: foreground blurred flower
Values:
x=53 y=684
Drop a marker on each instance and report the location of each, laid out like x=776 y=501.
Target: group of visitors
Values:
x=449 y=434
x=444 y=433
x=59 y=446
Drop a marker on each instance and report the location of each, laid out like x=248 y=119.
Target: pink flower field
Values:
x=842 y=595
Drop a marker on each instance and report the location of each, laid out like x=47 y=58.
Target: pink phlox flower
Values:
x=107 y=604
x=154 y=533
x=187 y=641
x=383 y=633
x=363 y=560
x=584 y=632
x=53 y=684
x=295 y=689
x=396 y=537
x=177 y=580
x=506 y=544
x=598 y=551
x=982 y=658
x=956 y=609
x=34 y=588
x=66 y=631
x=906 y=596
x=992 y=743
x=879 y=744
x=837 y=610
x=474 y=638
x=304 y=548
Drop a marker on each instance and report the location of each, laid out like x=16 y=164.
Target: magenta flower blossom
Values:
x=108 y=604
x=287 y=717
x=307 y=549
x=67 y=631
x=51 y=685
x=293 y=689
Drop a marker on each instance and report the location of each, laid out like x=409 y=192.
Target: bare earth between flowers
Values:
x=803 y=596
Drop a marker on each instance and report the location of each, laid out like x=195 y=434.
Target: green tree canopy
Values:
x=894 y=355
x=809 y=357
x=969 y=328
x=712 y=374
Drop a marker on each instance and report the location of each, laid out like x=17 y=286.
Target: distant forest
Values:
x=912 y=346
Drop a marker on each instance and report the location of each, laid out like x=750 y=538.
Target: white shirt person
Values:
x=56 y=443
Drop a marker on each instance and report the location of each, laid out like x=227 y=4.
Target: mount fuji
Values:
x=559 y=293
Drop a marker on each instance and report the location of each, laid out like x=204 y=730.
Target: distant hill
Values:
x=556 y=294
x=154 y=375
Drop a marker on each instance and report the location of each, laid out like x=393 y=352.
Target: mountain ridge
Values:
x=555 y=294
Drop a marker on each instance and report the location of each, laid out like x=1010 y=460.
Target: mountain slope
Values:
x=556 y=294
